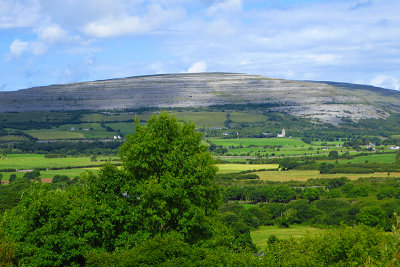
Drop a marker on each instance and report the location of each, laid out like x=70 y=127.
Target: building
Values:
x=282 y=135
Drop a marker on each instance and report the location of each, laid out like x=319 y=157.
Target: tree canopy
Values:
x=164 y=186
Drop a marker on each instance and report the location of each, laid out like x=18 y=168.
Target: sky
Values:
x=45 y=42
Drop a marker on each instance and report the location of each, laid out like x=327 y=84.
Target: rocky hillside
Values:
x=324 y=101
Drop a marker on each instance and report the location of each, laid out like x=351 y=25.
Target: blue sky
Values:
x=45 y=42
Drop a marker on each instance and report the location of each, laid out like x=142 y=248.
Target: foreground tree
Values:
x=170 y=173
x=164 y=186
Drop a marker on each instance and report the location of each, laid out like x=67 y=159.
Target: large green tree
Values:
x=170 y=176
x=164 y=186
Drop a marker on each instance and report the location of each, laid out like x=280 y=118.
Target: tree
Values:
x=35 y=174
x=12 y=178
x=170 y=174
x=288 y=164
x=333 y=155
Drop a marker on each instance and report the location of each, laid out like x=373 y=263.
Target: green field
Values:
x=247 y=117
x=124 y=127
x=55 y=135
x=379 y=158
x=202 y=118
x=73 y=131
x=114 y=117
x=260 y=235
x=13 y=138
x=288 y=142
x=304 y=175
x=230 y=168
x=32 y=161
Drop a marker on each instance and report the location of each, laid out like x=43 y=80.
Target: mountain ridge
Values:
x=324 y=101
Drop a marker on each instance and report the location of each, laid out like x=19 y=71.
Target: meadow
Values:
x=32 y=161
x=304 y=175
x=231 y=168
x=260 y=236
x=259 y=142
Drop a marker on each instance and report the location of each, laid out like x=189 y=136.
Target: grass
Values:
x=124 y=127
x=229 y=168
x=203 y=118
x=257 y=142
x=55 y=135
x=379 y=158
x=48 y=175
x=32 y=161
x=247 y=117
x=304 y=175
x=260 y=236
x=12 y=138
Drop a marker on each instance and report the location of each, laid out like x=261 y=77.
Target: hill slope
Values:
x=325 y=101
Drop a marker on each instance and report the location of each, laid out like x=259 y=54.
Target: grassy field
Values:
x=203 y=119
x=35 y=116
x=379 y=158
x=229 y=168
x=73 y=131
x=247 y=117
x=31 y=161
x=288 y=142
x=304 y=175
x=55 y=135
x=260 y=236
x=124 y=127
x=13 y=138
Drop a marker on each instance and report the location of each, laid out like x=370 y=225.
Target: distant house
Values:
x=72 y=128
x=226 y=133
x=282 y=135
x=117 y=137
x=394 y=147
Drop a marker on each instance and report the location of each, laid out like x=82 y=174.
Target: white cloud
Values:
x=125 y=24
x=386 y=81
x=225 y=6
x=200 y=66
x=52 y=34
x=17 y=47
x=18 y=13
x=323 y=59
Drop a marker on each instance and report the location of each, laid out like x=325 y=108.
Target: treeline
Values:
x=70 y=148
x=318 y=202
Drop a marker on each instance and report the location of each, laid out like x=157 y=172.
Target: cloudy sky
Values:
x=44 y=42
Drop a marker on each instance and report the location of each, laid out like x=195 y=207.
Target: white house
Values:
x=282 y=135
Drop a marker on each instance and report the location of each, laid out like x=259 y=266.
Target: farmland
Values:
x=261 y=235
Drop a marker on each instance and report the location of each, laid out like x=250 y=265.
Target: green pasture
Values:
x=73 y=131
x=80 y=126
x=69 y=172
x=55 y=135
x=46 y=176
x=254 y=151
x=113 y=117
x=304 y=175
x=260 y=235
x=35 y=116
x=290 y=142
x=32 y=161
x=203 y=119
x=373 y=157
x=13 y=138
x=247 y=117
x=124 y=127
x=229 y=168
x=324 y=143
